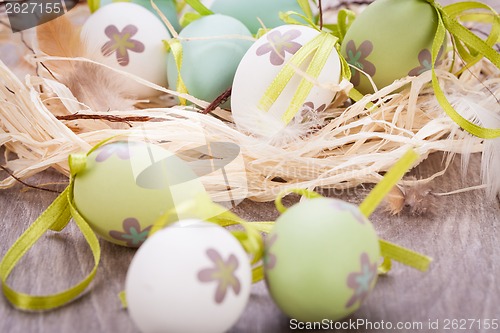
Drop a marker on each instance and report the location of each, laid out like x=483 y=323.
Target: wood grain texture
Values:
x=462 y=235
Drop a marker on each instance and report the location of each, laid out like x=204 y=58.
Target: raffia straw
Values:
x=348 y=146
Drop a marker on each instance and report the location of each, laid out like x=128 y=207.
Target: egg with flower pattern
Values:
x=327 y=253
x=259 y=69
x=166 y=7
x=123 y=190
x=129 y=38
x=192 y=276
x=389 y=40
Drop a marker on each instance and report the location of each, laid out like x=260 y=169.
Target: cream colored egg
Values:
x=192 y=276
x=258 y=70
x=128 y=37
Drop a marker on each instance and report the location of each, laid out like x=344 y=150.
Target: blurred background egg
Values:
x=321 y=260
x=389 y=40
x=257 y=71
x=192 y=276
x=167 y=7
x=123 y=189
x=250 y=11
x=128 y=37
x=208 y=66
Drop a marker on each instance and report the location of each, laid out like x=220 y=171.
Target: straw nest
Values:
x=351 y=143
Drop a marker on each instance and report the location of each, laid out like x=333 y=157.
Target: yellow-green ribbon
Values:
x=345 y=17
x=320 y=48
x=201 y=207
x=470 y=47
x=199 y=7
x=174 y=45
x=55 y=218
x=389 y=251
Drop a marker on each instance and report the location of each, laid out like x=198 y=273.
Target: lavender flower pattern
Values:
x=121 y=42
x=344 y=206
x=309 y=106
x=361 y=282
x=132 y=234
x=223 y=273
x=425 y=60
x=121 y=149
x=357 y=58
x=280 y=44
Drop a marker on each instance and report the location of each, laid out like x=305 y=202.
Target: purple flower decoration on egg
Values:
x=223 y=273
x=121 y=42
x=425 y=60
x=132 y=233
x=270 y=258
x=361 y=282
x=345 y=206
x=120 y=149
x=279 y=45
x=357 y=58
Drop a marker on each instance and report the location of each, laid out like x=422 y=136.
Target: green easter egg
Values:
x=321 y=260
x=389 y=40
x=126 y=186
x=208 y=66
x=167 y=7
x=249 y=12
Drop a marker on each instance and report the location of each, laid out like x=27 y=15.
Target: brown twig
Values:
x=218 y=101
x=348 y=4
x=26 y=184
x=320 y=15
x=116 y=119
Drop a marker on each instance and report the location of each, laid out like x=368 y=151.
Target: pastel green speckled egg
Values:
x=250 y=11
x=208 y=66
x=321 y=260
x=389 y=40
x=126 y=186
x=167 y=7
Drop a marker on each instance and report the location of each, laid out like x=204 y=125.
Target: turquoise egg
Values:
x=389 y=40
x=208 y=66
x=249 y=12
x=167 y=7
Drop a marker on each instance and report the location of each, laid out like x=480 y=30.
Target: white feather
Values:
x=484 y=112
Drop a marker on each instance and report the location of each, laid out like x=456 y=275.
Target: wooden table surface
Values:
x=462 y=235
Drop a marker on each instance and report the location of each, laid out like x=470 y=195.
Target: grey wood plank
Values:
x=462 y=236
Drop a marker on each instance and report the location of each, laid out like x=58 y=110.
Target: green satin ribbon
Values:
x=174 y=45
x=470 y=48
x=389 y=251
x=200 y=11
x=320 y=48
x=201 y=207
x=199 y=7
x=60 y=212
x=55 y=218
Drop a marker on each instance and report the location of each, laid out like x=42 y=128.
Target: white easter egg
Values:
x=128 y=37
x=192 y=276
x=258 y=70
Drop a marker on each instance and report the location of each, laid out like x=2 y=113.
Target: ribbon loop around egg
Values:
x=320 y=47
